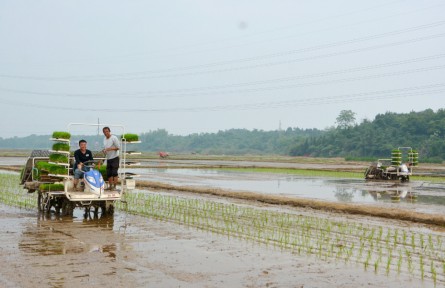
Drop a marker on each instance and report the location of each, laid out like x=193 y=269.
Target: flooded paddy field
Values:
x=177 y=239
x=134 y=251
x=418 y=196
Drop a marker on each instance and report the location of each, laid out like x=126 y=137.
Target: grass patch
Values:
x=302 y=172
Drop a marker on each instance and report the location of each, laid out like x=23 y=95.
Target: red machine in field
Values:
x=163 y=154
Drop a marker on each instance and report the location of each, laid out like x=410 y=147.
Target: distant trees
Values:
x=345 y=119
x=232 y=141
x=424 y=131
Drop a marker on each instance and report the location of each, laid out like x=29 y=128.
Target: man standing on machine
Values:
x=111 y=150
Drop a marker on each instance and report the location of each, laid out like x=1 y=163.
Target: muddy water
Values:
x=415 y=195
x=131 y=251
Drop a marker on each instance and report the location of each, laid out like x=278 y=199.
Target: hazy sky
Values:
x=207 y=65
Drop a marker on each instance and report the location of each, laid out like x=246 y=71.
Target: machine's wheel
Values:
x=109 y=207
x=58 y=203
x=404 y=179
x=39 y=201
x=67 y=208
x=367 y=173
x=91 y=212
x=110 y=210
x=43 y=202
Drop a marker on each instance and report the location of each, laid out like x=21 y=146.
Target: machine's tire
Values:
x=44 y=203
x=110 y=209
x=67 y=208
x=39 y=201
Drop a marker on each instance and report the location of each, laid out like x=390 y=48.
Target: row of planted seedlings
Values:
x=12 y=194
x=382 y=249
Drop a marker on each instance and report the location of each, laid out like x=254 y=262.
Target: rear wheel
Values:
x=109 y=207
x=39 y=201
x=67 y=208
x=43 y=202
x=91 y=212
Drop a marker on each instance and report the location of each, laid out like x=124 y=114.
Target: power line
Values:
x=342 y=98
x=257 y=85
x=143 y=74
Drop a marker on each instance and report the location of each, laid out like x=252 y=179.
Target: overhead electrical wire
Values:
x=341 y=98
x=143 y=74
x=220 y=89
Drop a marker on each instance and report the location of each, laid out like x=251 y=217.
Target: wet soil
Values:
x=132 y=251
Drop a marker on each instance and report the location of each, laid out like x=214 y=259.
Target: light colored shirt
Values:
x=112 y=142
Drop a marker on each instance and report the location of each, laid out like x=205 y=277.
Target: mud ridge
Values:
x=348 y=208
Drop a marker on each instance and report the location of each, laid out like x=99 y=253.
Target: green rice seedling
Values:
x=368 y=258
x=388 y=263
x=50 y=168
x=58 y=158
x=362 y=246
x=387 y=238
x=51 y=187
x=430 y=242
x=130 y=137
x=61 y=147
x=56 y=169
x=376 y=265
x=433 y=273
x=61 y=135
x=422 y=268
x=399 y=263
x=396 y=237
x=379 y=238
x=11 y=193
x=312 y=235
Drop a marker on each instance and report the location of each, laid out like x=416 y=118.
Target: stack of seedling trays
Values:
x=59 y=158
x=413 y=157
x=396 y=157
x=128 y=140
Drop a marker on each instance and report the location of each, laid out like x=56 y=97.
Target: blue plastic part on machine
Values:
x=94 y=180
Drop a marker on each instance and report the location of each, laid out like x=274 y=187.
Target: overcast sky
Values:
x=196 y=66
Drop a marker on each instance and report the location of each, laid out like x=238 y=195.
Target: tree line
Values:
x=423 y=131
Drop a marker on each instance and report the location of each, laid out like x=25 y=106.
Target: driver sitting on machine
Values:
x=81 y=156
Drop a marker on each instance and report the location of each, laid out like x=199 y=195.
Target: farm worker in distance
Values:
x=111 y=150
x=81 y=155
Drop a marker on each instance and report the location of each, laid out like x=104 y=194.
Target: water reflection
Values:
x=54 y=235
x=343 y=195
x=331 y=189
x=394 y=196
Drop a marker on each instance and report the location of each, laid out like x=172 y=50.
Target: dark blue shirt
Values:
x=79 y=157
